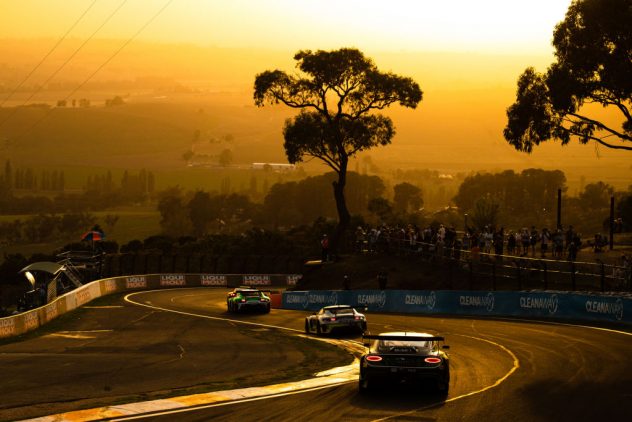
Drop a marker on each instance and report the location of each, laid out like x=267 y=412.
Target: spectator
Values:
x=545 y=239
x=511 y=243
x=534 y=236
x=570 y=234
x=558 y=244
x=499 y=241
x=324 y=245
x=525 y=240
x=572 y=251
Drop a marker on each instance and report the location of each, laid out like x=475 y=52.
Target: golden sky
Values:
x=465 y=54
x=498 y=26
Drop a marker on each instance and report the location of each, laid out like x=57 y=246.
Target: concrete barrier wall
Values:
x=554 y=305
x=28 y=321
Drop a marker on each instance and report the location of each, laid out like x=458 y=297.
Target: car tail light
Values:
x=374 y=358
x=432 y=360
x=357 y=317
x=243 y=300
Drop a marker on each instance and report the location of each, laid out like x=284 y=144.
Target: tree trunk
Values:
x=344 y=218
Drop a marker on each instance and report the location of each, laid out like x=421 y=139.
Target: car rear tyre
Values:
x=443 y=385
x=363 y=386
x=319 y=330
x=306 y=327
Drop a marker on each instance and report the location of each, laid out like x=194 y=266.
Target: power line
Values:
x=48 y=54
x=66 y=62
x=108 y=60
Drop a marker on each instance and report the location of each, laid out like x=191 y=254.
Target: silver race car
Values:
x=335 y=318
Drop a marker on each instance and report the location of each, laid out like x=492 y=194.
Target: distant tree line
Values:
x=100 y=191
x=511 y=199
x=26 y=179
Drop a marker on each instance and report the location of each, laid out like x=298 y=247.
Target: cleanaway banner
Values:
x=555 y=305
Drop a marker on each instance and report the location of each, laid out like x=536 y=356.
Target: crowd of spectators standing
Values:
x=556 y=244
x=439 y=240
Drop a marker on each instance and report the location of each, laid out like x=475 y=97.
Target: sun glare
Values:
x=457 y=25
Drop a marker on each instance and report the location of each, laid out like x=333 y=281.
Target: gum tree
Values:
x=593 y=49
x=339 y=94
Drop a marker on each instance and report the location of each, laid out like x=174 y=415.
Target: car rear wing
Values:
x=401 y=338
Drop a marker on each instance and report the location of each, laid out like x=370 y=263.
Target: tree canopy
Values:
x=593 y=50
x=338 y=94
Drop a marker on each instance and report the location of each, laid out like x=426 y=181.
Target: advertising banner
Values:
x=172 y=280
x=136 y=282
x=213 y=280
x=257 y=280
x=7 y=327
x=558 y=305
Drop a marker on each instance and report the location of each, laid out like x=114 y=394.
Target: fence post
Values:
x=573 y=286
x=471 y=274
x=603 y=277
x=519 y=273
x=494 y=275
x=546 y=276
x=450 y=266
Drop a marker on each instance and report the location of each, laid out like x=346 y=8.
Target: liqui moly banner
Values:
x=213 y=280
x=136 y=282
x=257 y=280
x=7 y=327
x=172 y=280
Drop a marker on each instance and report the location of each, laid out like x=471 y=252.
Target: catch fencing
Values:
x=479 y=270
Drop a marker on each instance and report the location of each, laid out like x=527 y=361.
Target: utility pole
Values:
x=559 y=208
x=611 y=222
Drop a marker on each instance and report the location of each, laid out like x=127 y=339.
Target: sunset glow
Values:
x=462 y=25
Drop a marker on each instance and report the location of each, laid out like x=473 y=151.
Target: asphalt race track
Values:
x=501 y=370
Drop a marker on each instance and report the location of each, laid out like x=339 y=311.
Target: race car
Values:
x=336 y=317
x=404 y=358
x=247 y=298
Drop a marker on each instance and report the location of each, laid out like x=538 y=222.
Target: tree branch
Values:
x=600 y=125
x=599 y=140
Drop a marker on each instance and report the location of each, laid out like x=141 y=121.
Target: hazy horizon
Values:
x=457 y=127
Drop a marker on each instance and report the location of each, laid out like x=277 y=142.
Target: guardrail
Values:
x=548 y=305
x=27 y=321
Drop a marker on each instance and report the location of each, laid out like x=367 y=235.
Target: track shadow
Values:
x=399 y=397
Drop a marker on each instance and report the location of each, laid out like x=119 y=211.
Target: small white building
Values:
x=273 y=166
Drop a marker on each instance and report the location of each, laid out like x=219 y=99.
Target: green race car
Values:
x=247 y=299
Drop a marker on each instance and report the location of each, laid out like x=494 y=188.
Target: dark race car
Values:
x=404 y=358
x=247 y=299
x=335 y=318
